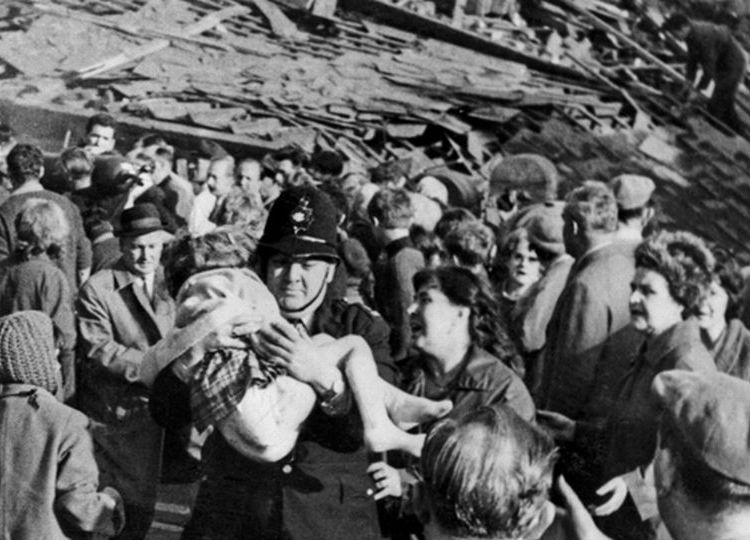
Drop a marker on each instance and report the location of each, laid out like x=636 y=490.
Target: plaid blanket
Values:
x=220 y=382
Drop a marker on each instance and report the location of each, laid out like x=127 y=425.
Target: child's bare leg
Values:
x=266 y=423
x=408 y=410
x=402 y=407
x=380 y=432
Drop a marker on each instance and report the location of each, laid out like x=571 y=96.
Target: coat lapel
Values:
x=161 y=313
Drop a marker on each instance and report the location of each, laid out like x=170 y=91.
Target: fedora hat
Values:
x=142 y=219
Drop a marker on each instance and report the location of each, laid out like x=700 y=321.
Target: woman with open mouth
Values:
x=454 y=322
x=673 y=273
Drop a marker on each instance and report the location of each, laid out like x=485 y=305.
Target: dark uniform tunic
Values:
x=318 y=491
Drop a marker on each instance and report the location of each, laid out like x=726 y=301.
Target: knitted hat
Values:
x=27 y=350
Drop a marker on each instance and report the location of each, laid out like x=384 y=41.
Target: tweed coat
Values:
x=117 y=323
x=50 y=486
x=592 y=307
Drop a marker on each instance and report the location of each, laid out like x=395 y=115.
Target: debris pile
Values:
x=380 y=80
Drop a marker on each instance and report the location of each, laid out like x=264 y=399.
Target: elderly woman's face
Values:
x=523 y=265
x=653 y=309
x=433 y=320
x=713 y=306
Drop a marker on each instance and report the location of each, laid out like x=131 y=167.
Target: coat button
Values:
x=286 y=469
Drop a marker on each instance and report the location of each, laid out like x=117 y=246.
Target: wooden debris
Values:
x=280 y=24
x=258 y=126
x=116 y=61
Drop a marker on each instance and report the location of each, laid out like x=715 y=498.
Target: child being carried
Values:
x=255 y=404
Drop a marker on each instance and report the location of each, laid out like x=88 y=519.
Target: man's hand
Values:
x=618 y=490
x=293 y=349
x=227 y=336
x=387 y=480
x=580 y=522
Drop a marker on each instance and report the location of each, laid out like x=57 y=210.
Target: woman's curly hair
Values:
x=224 y=247
x=685 y=262
x=463 y=288
x=728 y=272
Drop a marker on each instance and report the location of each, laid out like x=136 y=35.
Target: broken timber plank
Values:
x=324 y=8
x=280 y=24
x=405 y=19
x=601 y=25
x=205 y=23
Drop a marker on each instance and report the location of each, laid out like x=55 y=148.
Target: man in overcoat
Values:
x=594 y=304
x=122 y=311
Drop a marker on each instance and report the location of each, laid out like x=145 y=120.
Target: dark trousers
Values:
x=236 y=508
x=137 y=522
x=722 y=102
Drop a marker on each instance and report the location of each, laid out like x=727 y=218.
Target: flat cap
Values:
x=530 y=172
x=544 y=225
x=632 y=190
x=711 y=410
x=434 y=189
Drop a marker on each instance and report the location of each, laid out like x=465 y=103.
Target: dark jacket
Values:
x=732 y=351
x=38 y=284
x=718 y=54
x=105 y=253
x=633 y=423
x=394 y=290
x=482 y=381
x=319 y=491
x=592 y=307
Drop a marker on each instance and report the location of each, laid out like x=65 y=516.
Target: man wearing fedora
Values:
x=320 y=490
x=122 y=311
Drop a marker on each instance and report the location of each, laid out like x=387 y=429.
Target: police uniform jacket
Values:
x=320 y=489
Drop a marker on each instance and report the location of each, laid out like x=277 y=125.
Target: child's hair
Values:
x=244 y=210
x=224 y=247
x=41 y=227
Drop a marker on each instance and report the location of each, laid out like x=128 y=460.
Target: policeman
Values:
x=320 y=490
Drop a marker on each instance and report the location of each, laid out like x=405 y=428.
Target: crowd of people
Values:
x=337 y=352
